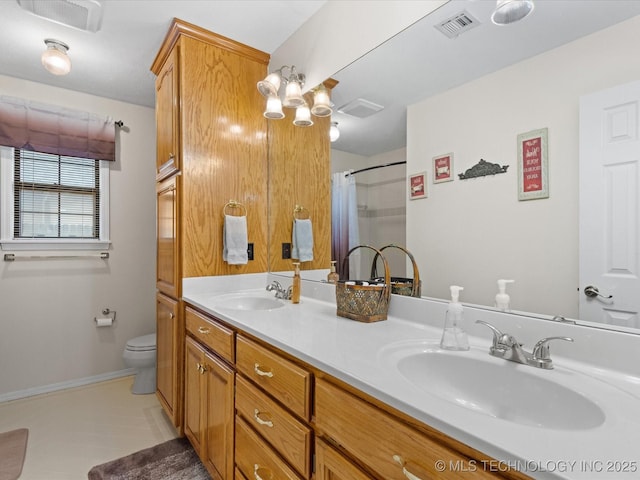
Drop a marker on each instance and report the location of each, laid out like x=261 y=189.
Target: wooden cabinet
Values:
x=209 y=409
x=169 y=345
x=168 y=278
x=385 y=444
x=273 y=404
x=167 y=118
x=331 y=465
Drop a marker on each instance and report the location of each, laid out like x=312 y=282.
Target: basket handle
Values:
x=387 y=274
x=416 y=274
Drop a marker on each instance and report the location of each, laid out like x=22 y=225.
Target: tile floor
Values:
x=72 y=430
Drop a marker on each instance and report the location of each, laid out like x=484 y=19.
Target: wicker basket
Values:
x=365 y=303
x=409 y=287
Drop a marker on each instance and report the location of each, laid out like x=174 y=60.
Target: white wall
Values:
x=473 y=232
x=48 y=335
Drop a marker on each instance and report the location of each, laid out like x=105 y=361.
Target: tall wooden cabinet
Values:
x=211 y=148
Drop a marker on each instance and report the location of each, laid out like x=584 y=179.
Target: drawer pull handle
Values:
x=269 y=475
x=398 y=459
x=262 y=373
x=203 y=330
x=267 y=423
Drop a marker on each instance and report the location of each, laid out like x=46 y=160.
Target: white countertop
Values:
x=355 y=353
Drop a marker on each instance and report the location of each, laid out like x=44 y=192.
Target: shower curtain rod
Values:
x=377 y=166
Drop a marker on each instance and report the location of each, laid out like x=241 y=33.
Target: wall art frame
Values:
x=533 y=165
x=443 y=168
x=418 y=186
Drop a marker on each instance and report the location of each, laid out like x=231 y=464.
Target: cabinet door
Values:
x=169 y=355
x=330 y=465
x=193 y=388
x=168 y=260
x=218 y=425
x=167 y=118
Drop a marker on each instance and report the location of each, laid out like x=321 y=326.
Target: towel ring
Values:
x=234 y=204
x=300 y=209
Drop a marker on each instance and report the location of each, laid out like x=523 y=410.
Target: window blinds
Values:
x=56 y=196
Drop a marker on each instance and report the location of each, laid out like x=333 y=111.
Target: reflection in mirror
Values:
x=473 y=96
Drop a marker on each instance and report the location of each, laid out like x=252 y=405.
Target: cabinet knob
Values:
x=266 y=423
x=265 y=473
x=398 y=459
x=203 y=330
x=171 y=156
x=171 y=315
x=262 y=373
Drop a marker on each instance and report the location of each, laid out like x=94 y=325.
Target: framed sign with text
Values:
x=418 y=186
x=533 y=165
x=443 y=168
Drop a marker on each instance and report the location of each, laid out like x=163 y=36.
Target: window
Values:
x=53 y=201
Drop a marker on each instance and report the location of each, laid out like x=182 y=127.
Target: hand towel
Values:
x=302 y=248
x=235 y=243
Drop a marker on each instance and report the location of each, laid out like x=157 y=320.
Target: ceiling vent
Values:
x=360 y=108
x=82 y=14
x=458 y=24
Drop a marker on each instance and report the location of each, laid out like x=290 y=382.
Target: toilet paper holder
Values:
x=107 y=314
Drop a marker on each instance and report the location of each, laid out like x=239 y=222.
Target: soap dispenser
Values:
x=502 y=298
x=453 y=336
x=295 y=288
x=333 y=276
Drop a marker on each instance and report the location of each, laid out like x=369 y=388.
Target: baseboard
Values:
x=54 y=387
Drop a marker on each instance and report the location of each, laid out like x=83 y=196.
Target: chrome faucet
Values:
x=507 y=347
x=280 y=291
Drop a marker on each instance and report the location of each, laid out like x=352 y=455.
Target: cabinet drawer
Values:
x=357 y=425
x=283 y=379
x=214 y=336
x=256 y=459
x=291 y=438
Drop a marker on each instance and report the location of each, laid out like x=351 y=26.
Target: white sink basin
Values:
x=248 y=301
x=496 y=387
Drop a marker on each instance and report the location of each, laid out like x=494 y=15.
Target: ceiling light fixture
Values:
x=271 y=88
x=55 y=58
x=511 y=11
x=334 y=133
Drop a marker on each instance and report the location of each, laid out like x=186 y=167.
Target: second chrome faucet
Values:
x=505 y=346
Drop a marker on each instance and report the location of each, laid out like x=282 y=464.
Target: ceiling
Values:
x=114 y=62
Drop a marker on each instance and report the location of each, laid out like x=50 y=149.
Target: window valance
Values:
x=57 y=130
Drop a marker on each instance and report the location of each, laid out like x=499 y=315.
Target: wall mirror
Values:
x=473 y=58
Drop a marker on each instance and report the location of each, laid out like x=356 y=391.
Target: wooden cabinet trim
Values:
x=180 y=28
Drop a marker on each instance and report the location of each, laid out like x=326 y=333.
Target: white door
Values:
x=610 y=205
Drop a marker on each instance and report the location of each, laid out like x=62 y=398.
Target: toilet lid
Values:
x=143 y=343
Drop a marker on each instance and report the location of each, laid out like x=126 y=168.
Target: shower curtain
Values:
x=344 y=223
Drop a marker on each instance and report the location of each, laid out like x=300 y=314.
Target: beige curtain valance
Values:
x=56 y=130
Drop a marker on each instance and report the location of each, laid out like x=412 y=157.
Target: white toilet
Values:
x=140 y=353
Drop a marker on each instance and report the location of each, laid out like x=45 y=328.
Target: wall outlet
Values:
x=286 y=251
x=250 y=251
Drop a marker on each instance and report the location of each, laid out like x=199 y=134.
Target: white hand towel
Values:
x=302 y=248
x=235 y=240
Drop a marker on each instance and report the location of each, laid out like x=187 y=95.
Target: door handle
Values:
x=593 y=292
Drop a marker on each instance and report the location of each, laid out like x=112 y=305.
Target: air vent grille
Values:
x=360 y=108
x=81 y=14
x=458 y=24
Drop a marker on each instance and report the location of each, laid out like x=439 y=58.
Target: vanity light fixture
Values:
x=334 y=133
x=55 y=58
x=292 y=96
x=511 y=11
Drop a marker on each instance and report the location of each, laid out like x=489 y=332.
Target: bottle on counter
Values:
x=453 y=336
x=333 y=276
x=502 y=297
x=295 y=288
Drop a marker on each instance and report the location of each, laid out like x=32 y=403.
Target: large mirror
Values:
x=471 y=96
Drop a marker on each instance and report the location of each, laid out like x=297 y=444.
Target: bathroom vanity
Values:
x=317 y=395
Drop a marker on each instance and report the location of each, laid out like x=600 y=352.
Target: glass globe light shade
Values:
x=55 y=58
